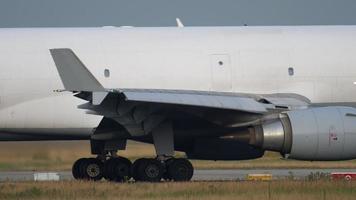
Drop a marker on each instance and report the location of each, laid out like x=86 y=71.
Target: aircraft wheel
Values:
x=150 y=170
x=166 y=175
x=180 y=170
x=76 y=169
x=134 y=169
x=109 y=170
x=122 y=169
x=92 y=169
x=117 y=169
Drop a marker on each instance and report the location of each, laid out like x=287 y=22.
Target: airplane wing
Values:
x=140 y=110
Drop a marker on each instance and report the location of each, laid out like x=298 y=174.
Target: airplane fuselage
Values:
x=317 y=62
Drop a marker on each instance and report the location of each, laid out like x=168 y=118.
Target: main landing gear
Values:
x=120 y=169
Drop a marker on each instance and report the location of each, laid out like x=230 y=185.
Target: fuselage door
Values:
x=221 y=72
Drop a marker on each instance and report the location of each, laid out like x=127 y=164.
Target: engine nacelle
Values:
x=324 y=133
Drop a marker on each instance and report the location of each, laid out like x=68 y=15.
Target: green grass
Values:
x=291 y=190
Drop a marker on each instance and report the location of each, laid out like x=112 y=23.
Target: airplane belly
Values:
x=46 y=117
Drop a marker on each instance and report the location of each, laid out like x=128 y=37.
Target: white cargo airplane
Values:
x=217 y=93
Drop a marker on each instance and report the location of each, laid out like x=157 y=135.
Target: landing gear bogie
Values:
x=120 y=169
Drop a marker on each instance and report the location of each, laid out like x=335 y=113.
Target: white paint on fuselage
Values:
x=258 y=58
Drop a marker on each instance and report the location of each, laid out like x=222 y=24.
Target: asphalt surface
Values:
x=199 y=175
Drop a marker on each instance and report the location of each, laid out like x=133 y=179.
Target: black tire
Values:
x=122 y=169
x=166 y=175
x=150 y=170
x=109 y=170
x=180 y=170
x=134 y=169
x=93 y=169
x=76 y=172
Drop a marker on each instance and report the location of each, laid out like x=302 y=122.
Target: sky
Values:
x=93 y=13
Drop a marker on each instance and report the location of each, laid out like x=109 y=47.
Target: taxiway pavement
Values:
x=199 y=175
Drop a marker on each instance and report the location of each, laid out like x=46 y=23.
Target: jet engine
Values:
x=323 y=133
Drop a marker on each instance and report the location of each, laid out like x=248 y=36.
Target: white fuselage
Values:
x=318 y=62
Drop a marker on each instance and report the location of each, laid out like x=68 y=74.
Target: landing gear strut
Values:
x=120 y=169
